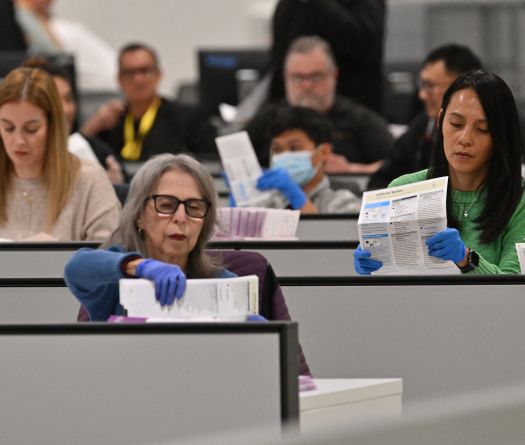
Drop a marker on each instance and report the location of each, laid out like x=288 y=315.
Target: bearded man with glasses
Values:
x=361 y=137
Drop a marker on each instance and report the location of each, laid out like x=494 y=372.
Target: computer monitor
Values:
x=218 y=70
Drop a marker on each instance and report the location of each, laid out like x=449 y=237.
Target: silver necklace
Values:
x=464 y=206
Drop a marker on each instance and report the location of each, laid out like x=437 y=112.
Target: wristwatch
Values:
x=472 y=262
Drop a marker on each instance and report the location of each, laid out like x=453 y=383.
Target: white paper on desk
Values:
x=395 y=222
x=242 y=169
x=214 y=299
x=520 y=249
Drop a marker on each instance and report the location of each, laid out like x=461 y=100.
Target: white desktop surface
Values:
x=336 y=401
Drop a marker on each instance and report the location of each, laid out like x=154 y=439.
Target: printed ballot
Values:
x=256 y=223
x=395 y=222
x=520 y=250
x=226 y=299
x=242 y=169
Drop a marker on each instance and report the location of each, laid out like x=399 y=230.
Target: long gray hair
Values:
x=200 y=264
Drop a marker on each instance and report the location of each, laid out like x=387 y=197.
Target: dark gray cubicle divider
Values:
x=137 y=383
x=442 y=335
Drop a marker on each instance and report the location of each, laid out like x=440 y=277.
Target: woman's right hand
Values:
x=169 y=279
x=363 y=264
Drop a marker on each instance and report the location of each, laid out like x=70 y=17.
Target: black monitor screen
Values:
x=218 y=70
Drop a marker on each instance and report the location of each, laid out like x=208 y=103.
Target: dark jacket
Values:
x=360 y=134
x=177 y=128
x=412 y=152
x=354 y=29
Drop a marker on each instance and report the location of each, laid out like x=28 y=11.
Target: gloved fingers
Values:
x=447 y=234
x=368 y=262
x=158 y=290
x=165 y=288
x=171 y=288
x=255 y=317
x=359 y=253
x=267 y=181
x=442 y=253
x=181 y=285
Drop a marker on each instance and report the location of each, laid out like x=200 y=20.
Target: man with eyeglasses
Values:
x=361 y=137
x=413 y=149
x=145 y=123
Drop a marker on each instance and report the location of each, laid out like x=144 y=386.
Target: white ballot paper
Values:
x=395 y=222
x=520 y=250
x=220 y=299
x=242 y=169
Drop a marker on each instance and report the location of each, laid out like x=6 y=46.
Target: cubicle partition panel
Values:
x=326 y=227
x=37 y=259
x=441 y=335
x=145 y=383
x=301 y=258
x=36 y=300
x=325 y=258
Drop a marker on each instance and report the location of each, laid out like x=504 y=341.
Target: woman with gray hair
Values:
x=167 y=220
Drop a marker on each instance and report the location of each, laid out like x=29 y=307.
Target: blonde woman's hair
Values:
x=60 y=167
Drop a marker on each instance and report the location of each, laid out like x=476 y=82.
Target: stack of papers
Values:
x=256 y=223
x=226 y=299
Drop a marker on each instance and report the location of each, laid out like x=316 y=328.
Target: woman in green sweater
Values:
x=479 y=148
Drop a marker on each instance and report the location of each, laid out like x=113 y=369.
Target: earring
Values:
x=140 y=232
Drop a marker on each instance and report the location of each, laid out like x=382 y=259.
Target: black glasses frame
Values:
x=187 y=205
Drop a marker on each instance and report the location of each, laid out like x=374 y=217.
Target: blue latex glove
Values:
x=231 y=199
x=255 y=317
x=447 y=245
x=170 y=280
x=363 y=264
x=279 y=179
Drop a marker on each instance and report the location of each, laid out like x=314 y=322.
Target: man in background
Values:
x=145 y=123
x=361 y=137
x=412 y=151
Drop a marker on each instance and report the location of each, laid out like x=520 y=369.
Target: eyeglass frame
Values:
x=146 y=71
x=179 y=202
x=430 y=87
x=315 y=77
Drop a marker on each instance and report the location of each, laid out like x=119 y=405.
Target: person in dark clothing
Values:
x=412 y=151
x=11 y=35
x=147 y=124
x=361 y=137
x=355 y=31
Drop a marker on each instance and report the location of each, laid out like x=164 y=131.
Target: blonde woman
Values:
x=45 y=192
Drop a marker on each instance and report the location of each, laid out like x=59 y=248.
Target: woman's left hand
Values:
x=447 y=245
x=169 y=279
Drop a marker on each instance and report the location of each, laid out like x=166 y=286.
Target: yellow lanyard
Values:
x=133 y=145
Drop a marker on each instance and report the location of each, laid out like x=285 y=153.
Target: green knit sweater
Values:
x=498 y=257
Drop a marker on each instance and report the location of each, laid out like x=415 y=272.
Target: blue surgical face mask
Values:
x=298 y=164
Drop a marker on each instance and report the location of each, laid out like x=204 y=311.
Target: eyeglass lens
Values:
x=168 y=205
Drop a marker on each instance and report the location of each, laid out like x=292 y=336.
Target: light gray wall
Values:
x=178 y=27
x=175 y=27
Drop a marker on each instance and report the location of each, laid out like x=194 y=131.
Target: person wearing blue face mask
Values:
x=301 y=143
